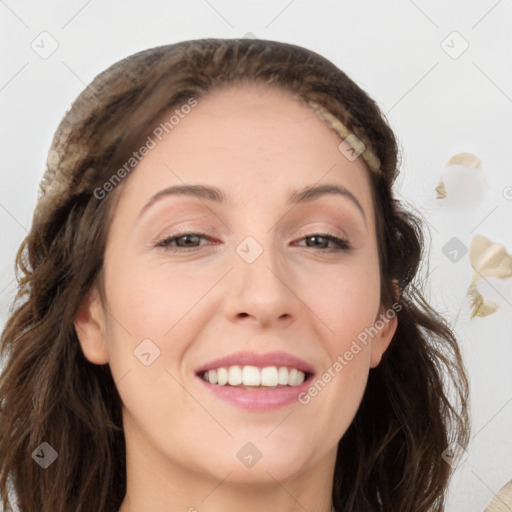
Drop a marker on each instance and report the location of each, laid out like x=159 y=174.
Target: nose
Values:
x=261 y=292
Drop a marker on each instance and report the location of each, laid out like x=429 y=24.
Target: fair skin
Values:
x=301 y=296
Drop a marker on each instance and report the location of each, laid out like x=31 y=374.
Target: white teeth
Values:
x=222 y=376
x=235 y=375
x=251 y=376
x=269 y=376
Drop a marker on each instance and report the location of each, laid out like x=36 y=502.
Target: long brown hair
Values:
x=415 y=405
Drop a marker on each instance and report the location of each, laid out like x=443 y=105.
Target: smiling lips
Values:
x=253 y=369
x=257 y=381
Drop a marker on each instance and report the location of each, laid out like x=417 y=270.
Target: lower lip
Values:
x=262 y=399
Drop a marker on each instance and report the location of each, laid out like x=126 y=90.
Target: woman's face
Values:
x=256 y=282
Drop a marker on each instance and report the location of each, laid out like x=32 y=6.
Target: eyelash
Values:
x=342 y=244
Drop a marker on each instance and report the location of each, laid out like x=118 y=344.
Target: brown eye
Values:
x=321 y=241
x=182 y=241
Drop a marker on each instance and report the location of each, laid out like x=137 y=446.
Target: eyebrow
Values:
x=209 y=193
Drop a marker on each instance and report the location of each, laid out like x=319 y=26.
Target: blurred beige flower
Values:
x=502 y=501
x=463 y=183
x=488 y=259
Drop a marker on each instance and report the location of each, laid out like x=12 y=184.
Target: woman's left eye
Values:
x=189 y=241
x=324 y=239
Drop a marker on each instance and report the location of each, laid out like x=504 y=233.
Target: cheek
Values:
x=161 y=303
x=147 y=331
x=345 y=304
x=345 y=299
x=151 y=300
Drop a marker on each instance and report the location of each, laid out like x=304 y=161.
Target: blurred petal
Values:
x=441 y=190
x=502 y=501
x=466 y=159
x=489 y=259
x=479 y=306
x=463 y=183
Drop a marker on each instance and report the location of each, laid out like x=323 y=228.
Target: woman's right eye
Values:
x=183 y=241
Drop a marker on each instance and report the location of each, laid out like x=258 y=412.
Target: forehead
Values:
x=250 y=140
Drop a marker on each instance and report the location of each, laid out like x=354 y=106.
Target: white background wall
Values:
x=438 y=105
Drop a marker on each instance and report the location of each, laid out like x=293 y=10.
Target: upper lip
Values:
x=246 y=358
